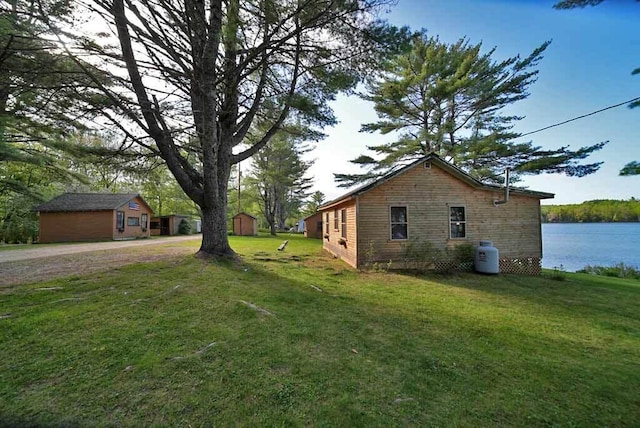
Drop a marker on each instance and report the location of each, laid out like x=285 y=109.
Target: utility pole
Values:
x=239 y=175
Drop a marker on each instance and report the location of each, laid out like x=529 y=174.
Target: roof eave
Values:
x=451 y=169
x=337 y=202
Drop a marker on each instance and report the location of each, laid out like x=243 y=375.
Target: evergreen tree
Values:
x=449 y=100
x=315 y=201
x=570 y=4
x=278 y=179
x=43 y=94
x=632 y=168
x=200 y=73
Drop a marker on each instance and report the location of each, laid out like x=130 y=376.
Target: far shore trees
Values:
x=598 y=211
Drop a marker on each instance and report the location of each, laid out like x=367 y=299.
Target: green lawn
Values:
x=185 y=342
x=6 y=247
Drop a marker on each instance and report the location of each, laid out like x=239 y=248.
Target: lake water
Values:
x=575 y=245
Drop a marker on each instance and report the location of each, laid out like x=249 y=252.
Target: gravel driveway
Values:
x=45 y=262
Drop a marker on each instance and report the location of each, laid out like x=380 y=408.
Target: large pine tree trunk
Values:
x=215 y=241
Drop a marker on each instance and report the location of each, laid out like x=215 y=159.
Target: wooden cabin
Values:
x=313 y=225
x=94 y=217
x=245 y=224
x=431 y=200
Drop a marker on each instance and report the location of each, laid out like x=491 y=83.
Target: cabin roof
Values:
x=69 y=202
x=446 y=166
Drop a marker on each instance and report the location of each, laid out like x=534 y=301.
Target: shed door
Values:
x=164 y=226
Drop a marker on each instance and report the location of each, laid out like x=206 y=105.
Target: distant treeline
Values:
x=598 y=211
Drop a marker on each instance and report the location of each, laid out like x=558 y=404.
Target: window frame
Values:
x=327 y=224
x=131 y=223
x=144 y=221
x=336 y=220
x=405 y=223
x=451 y=221
x=120 y=220
x=343 y=223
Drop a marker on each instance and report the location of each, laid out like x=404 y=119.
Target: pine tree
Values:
x=450 y=100
x=315 y=201
x=200 y=73
x=42 y=92
x=278 y=178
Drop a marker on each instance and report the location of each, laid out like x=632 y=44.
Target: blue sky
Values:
x=587 y=67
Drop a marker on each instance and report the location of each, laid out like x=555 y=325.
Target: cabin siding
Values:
x=132 y=232
x=76 y=226
x=331 y=241
x=513 y=227
x=311 y=226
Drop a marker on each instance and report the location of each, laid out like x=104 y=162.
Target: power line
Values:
x=580 y=117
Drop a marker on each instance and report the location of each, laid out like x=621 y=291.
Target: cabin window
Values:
x=399 y=223
x=343 y=215
x=326 y=223
x=335 y=220
x=144 y=221
x=457 y=222
x=120 y=220
x=133 y=221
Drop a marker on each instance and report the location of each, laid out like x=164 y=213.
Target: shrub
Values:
x=370 y=255
x=558 y=273
x=184 y=228
x=618 y=271
x=19 y=226
x=420 y=256
x=464 y=253
x=370 y=260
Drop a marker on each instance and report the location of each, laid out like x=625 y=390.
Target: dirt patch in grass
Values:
x=48 y=268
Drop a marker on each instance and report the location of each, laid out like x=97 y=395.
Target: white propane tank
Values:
x=487 y=260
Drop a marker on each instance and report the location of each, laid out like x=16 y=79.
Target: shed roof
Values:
x=88 y=202
x=244 y=213
x=312 y=215
x=446 y=166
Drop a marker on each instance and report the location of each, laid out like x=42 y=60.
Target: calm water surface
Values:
x=575 y=245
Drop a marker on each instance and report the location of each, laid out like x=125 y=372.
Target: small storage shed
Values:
x=432 y=201
x=93 y=217
x=313 y=225
x=245 y=224
x=167 y=225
